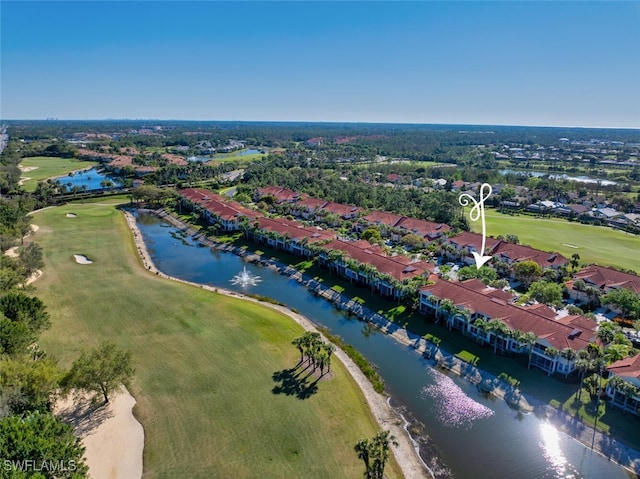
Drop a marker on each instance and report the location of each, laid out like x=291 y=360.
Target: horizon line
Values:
x=320 y=121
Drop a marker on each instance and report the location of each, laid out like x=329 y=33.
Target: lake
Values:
x=555 y=176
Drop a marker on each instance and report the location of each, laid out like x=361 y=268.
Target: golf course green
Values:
x=205 y=363
x=594 y=244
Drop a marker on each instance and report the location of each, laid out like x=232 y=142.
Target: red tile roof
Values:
x=427 y=229
x=281 y=194
x=218 y=205
x=341 y=209
x=310 y=203
x=399 y=267
x=516 y=252
x=575 y=334
x=472 y=241
x=627 y=367
x=382 y=218
x=606 y=278
x=294 y=230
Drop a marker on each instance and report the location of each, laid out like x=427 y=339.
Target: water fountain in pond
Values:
x=244 y=278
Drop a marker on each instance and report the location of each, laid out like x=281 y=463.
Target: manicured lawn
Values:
x=594 y=244
x=49 y=167
x=204 y=363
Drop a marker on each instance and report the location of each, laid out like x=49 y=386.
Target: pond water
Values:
x=538 y=174
x=477 y=436
x=92 y=178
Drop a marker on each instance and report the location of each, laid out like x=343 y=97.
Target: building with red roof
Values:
x=282 y=195
x=343 y=211
x=625 y=396
x=467 y=243
x=474 y=301
x=605 y=279
x=217 y=209
x=514 y=253
x=398 y=268
x=307 y=206
x=428 y=230
x=287 y=235
x=382 y=218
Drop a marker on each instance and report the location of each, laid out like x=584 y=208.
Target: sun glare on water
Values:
x=550 y=443
x=454 y=407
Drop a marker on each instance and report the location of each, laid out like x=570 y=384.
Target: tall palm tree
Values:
x=499 y=330
x=363 y=449
x=570 y=355
x=482 y=326
x=447 y=308
x=329 y=349
x=528 y=340
x=583 y=364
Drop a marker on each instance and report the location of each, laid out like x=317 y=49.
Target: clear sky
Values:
x=514 y=63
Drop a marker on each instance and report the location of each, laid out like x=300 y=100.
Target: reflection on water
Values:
x=552 y=450
x=452 y=406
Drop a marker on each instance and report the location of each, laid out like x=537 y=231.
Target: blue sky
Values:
x=525 y=63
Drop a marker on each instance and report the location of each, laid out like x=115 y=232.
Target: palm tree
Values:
x=448 y=308
x=329 y=349
x=583 y=364
x=615 y=352
x=575 y=260
x=299 y=343
x=499 y=330
x=482 y=325
x=375 y=453
x=570 y=355
x=363 y=449
x=528 y=340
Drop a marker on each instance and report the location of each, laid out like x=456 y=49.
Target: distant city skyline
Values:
x=572 y=64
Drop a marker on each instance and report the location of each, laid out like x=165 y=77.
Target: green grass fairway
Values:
x=594 y=244
x=204 y=362
x=49 y=167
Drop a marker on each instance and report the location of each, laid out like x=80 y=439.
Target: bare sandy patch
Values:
x=113 y=438
x=82 y=259
x=34 y=228
x=27 y=169
x=71 y=215
x=12 y=252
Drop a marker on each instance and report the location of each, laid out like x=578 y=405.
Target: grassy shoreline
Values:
x=206 y=363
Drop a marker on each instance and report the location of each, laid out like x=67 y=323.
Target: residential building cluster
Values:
x=537 y=330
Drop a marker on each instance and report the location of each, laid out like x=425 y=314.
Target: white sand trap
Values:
x=82 y=259
x=12 y=252
x=34 y=228
x=71 y=215
x=27 y=169
x=570 y=245
x=113 y=438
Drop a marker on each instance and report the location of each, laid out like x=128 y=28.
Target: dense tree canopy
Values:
x=40 y=446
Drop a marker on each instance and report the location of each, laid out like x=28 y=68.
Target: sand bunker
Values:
x=26 y=169
x=71 y=215
x=82 y=259
x=113 y=438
